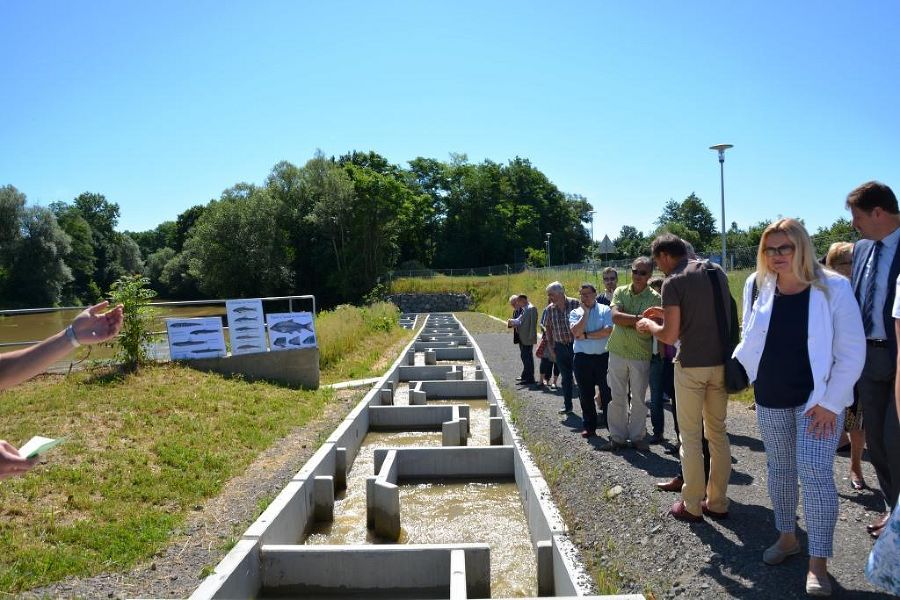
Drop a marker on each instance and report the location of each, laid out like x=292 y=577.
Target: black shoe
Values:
x=565 y=411
x=656 y=438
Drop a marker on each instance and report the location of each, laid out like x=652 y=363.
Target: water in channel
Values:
x=446 y=512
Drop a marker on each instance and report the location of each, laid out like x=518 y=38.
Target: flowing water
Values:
x=446 y=512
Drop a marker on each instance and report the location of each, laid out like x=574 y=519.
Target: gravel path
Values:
x=628 y=540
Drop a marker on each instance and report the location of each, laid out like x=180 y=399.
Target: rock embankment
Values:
x=425 y=303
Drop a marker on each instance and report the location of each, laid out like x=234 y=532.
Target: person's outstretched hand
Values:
x=11 y=463
x=93 y=326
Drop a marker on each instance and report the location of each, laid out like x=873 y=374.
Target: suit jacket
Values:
x=862 y=250
x=527 y=330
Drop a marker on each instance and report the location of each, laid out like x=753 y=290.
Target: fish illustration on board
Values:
x=204 y=331
x=183 y=324
x=246 y=337
x=243 y=309
x=189 y=343
x=245 y=329
x=291 y=327
x=281 y=342
x=248 y=347
x=245 y=319
x=206 y=350
x=311 y=340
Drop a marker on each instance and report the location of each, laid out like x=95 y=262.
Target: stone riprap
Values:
x=430 y=303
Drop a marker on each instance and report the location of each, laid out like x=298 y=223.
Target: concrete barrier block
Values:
x=496 y=433
x=386 y=509
x=418 y=417
x=479 y=374
x=323 y=498
x=387 y=396
x=418 y=397
x=451 y=433
x=287 y=517
x=422 y=373
x=320 y=463
x=464 y=462
x=463 y=431
x=238 y=575
x=430 y=357
x=544 y=555
x=450 y=390
x=370 y=501
x=458 y=575
x=340 y=468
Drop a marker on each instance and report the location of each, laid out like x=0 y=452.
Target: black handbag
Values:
x=736 y=379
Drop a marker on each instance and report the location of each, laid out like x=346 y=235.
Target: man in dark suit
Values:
x=876 y=265
x=525 y=323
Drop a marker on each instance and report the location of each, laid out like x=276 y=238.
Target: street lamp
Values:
x=548 y=250
x=590 y=212
x=721 y=148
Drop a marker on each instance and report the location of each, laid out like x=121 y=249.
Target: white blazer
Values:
x=836 y=344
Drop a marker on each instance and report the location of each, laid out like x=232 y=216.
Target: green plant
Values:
x=134 y=293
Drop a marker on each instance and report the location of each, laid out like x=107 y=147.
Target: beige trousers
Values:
x=626 y=419
x=702 y=399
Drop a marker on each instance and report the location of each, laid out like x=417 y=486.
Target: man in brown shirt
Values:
x=688 y=316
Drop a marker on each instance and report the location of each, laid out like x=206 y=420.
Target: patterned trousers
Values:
x=791 y=452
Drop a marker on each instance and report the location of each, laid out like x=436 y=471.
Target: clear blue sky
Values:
x=162 y=105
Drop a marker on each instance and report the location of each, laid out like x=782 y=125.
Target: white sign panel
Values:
x=246 y=328
x=289 y=331
x=200 y=337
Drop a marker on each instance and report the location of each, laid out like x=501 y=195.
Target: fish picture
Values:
x=311 y=340
x=291 y=327
x=189 y=343
x=295 y=341
x=248 y=347
x=203 y=331
x=246 y=319
x=281 y=342
x=183 y=324
x=243 y=309
x=206 y=350
x=246 y=337
x=245 y=329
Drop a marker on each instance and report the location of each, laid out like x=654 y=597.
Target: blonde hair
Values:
x=803 y=261
x=838 y=251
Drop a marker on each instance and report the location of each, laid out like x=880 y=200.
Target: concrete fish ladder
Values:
x=270 y=559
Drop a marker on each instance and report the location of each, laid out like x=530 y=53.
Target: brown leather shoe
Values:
x=679 y=512
x=879 y=523
x=711 y=513
x=673 y=485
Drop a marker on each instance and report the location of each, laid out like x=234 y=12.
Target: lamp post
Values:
x=721 y=148
x=591 y=213
x=548 y=250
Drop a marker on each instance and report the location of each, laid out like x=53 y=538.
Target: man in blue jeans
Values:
x=560 y=338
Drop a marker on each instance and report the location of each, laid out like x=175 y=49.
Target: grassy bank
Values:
x=144 y=449
x=491 y=293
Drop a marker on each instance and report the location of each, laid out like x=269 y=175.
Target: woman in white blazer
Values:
x=803 y=348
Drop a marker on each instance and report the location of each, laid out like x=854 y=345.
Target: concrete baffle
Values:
x=430 y=357
x=323 y=498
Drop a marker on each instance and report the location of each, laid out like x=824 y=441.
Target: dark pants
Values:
x=527 y=363
x=876 y=393
x=703 y=441
x=564 y=362
x=589 y=370
x=662 y=383
x=548 y=368
x=605 y=392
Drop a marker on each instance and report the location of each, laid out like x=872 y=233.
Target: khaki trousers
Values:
x=702 y=399
x=627 y=419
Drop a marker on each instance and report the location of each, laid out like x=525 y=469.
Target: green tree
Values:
x=37 y=271
x=631 y=243
x=237 y=248
x=694 y=216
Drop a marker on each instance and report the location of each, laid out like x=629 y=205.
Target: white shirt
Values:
x=881 y=281
x=836 y=341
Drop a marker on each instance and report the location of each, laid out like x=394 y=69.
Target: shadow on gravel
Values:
x=870 y=499
x=748 y=442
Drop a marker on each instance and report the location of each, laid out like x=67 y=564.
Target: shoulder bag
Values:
x=736 y=379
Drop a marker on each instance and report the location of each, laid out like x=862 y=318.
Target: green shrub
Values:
x=134 y=293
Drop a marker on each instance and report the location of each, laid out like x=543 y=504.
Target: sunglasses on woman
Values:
x=783 y=250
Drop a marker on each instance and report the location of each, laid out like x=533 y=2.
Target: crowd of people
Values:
x=817 y=340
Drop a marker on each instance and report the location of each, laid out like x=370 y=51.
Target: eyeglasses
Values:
x=783 y=250
x=640 y=273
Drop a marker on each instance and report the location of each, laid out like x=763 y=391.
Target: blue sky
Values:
x=160 y=106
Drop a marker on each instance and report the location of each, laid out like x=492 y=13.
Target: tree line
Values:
x=330 y=227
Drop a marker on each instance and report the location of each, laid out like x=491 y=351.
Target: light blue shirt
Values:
x=599 y=318
x=881 y=281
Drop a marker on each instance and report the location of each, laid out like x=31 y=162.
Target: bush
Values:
x=133 y=292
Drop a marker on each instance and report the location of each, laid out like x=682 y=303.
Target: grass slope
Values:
x=144 y=449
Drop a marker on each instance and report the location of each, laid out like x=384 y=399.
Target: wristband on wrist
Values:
x=70 y=335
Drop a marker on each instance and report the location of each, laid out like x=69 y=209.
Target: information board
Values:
x=200 y=337
x=288 y=331
x=246 y=327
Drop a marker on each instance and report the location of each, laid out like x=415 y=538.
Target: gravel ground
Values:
x=641 y=549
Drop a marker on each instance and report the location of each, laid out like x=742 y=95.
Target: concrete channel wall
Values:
x=270 y=557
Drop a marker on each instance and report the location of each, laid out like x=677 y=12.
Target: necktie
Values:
x=868 y=308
